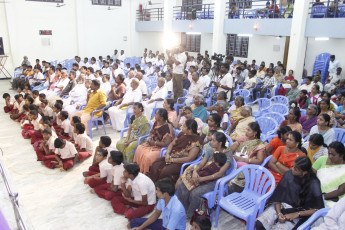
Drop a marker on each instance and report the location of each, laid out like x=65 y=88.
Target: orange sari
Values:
x=285 y=159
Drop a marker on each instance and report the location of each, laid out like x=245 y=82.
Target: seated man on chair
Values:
x=118 y=112
x=158 y=95
x=268 y=83
x=96 y=99
x=196 y=87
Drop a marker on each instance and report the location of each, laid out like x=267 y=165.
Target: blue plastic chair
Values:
x=250 y=203
x=229 y=140
x=341 y=13
x=319 y=11
x=244 y=93
x=278 y=108
x=141 y=139
x=93 y=121
x=196 y=161
x=264 y=103
x=267 y=125
x=339 y=135
x=181 y=101
x=265 y=162
x=280 y=100
x=278 y=117
x=212 y=195
x=319 y=213
x=208 y=93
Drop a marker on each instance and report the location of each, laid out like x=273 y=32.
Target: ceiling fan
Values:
x=60 y=5
x=150 y=3
x=109 y=8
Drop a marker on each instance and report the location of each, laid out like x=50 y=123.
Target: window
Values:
x=107 y=2
x=191 y=41
x=237 y=46
x=54 y=1
x=190 y=3
x=240 y=3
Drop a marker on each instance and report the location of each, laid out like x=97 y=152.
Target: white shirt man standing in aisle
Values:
x=178 y=59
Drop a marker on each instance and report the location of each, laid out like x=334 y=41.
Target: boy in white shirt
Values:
x=65 y=156
x=57 y=123
x=46 y=147
x=110 y=190
x=104 y=176
x=138 y=191
x=8 y=108
x=83 y=142
x=66 y=128
x=46 y=110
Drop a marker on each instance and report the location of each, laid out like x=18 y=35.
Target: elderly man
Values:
x=96 y=99
x=196 y=87
x=59 y=85
x=117 y=113
x=70 y=85
x=142 y=84
x=156 y=98
x=77 y=97
x=128 y=80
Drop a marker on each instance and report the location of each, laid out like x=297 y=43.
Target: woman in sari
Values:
x=169 y=106
x=302 y=101
x=323 y=128
x=186 y=113
x=314 y=96
x=139 y=126
x=309 y=120
x=198 y=108
x=287 y=83
x=331 y=173
x=161 y=135
x=241 y=125
x=325 y=108
x=293 y=92
x=191 y=186
x=283 y=158
x=278 y=141
x=184 y=148
x=213 y=123
x=295 y=199
x=293 y=120
x=315 y=147
x=235 y=109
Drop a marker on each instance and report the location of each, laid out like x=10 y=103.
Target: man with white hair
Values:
x=115 y=72
x=128 y=80
x=142 y=84
x=117 y=113
x=77 y=97
x=156 y=98
x=196 y=87
x=59 y=86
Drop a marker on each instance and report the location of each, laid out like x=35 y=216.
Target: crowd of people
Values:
x=168 y=100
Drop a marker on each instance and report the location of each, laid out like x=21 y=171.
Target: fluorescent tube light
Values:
x=195 y=33
x=321 y=39
x=245 y=35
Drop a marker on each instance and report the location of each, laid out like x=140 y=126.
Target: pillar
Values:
x=219 y=38
x=298 y=41
x=169 y=38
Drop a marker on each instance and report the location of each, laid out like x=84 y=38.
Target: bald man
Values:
x=117 y=113
x=156 y=98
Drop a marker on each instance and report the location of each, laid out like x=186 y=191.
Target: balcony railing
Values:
x=152 y=14
x=327 y=9
x=196 y=11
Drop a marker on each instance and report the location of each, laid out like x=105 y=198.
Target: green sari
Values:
x=140 y=127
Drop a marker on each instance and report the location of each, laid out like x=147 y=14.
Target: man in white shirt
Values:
x=75 y=67
x=129 y=79
x=179 y=59
x=115 y=72
x=122 y=57
x=89 y=73
x=149 y=70
x=144 y=59
x=333 y=65
x=308 y=84
x=196 y=87
x=106 y=69
x=117 y=113
x=225 y=83
x=156 y=98
x=105 y=85
x=59 y=86
x=205 y=78
x=94 y=64
x=86 y=62
x=250 y=81
x=115 y=55
x=160 y=61
x=137 y=185
x=333 y=80
x=190 y=62
x=142 y=84
x=169 y=83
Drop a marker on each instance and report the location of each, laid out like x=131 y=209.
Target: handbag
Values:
x=202 y=211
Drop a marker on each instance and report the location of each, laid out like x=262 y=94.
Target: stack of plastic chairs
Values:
x=278 y=117
x=322 y=63
x=280 y=100
x=319 y=11
x=339 y=134
x=181 y=101
x=341 y=13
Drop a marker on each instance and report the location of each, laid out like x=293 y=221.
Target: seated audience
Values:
x=308 y=84
x=267 y=84
x=118 y=112
x=325 y=108
x=283 y=158
x=156 y=98
x=186 y=114
x=77 y=96
x=173 y=212
x=184 y=148
x=295 y=199
x=83 y=142
x=331 y=172
x=118 y=89
x=168 y=105
x=220 y=108
x=196 y=87
x=161 y=135
x=293 y=120
x=235 y=110
x=309 y=120
x=198 y=108
x=302 y=101
x=315 y=147
x=201 y=178
x=278 y=141
x=139 y=126
x=241 y=125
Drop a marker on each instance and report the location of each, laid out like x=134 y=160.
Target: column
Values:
x=219 y=38
x=298 y=41
x=168 y=36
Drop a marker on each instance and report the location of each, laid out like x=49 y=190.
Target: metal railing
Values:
x=327 y=9
x=195 y=11
x=152 y=14
x=13 y=198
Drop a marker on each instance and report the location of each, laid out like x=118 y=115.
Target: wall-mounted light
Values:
x=245 y=35
x=191 y=26
x=256 y=26
x=321 y=39
x=278 y=37
x=193 y=33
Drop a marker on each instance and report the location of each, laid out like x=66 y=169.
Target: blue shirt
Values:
x=174 y=214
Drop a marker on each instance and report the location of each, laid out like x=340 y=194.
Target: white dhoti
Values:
x=71 y=109
x=117 y=117
x=148 y=108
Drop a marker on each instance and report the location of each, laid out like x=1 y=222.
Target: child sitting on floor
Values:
x=83 y=142
x=18 y=108
x=45 y=147
x=46 y=110
x=75 y=120
x=35 y=95
x=66 y=128
x=57 y=109
x=65 y=156
x=104 y=175
x=9 y=103
x=110 y=190
x=34 y=118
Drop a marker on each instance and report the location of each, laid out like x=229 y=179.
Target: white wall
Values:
x=332 y=46
x=150 y=40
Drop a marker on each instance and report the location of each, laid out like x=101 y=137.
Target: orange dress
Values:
x=275 y=143
x=285 y=159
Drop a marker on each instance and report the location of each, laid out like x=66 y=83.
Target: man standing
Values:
x=178 y=59
x=333 y=65
x=225 y=82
